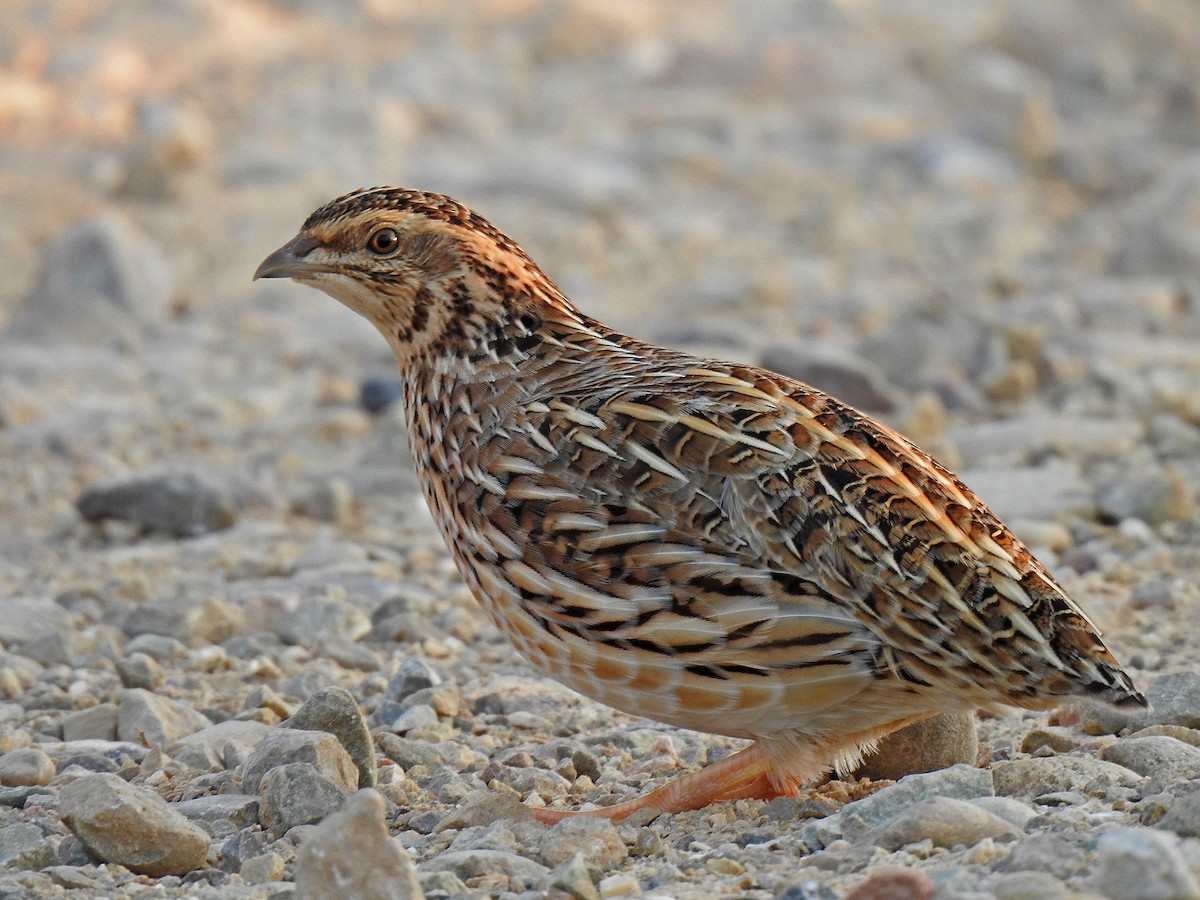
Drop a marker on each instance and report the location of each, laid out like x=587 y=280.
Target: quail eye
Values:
x=383 y=241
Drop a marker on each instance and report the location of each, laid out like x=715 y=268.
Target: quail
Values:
x=709 y=544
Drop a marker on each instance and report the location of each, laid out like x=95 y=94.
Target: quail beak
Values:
x=289 y=260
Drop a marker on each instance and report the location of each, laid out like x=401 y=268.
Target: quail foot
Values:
x=708 y=544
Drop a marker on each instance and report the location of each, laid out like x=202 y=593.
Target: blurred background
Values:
x=976 y=219
x=979 y=220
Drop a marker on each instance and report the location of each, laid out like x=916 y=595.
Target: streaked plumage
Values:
x=707 y=544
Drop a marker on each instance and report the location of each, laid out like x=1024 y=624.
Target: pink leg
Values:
x=744 y=775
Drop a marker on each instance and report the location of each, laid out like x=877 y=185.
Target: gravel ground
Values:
x=236 y=661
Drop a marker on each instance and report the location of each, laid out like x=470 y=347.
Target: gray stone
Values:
x=441 y=884
x=1008 y=809
x=158 y=646
x=296 y=794
x=468 y=864
x=27 y=766
x=155 y=721
x=132 y=826
x=1042 y=494
x=316 y=619
x=595 y=839
x=1142 y=863
x=265 y=867
x=351 y=855
x=178 y=503
x=926 y=746
x=1161 y=234
x=573 y=879
x=1028 y=886
x=101 y=279
x=855 y=819
x=959 y=782
x=325 y=499
x=185 y=619
x=945 y=821
x=24 y=846
x=222 y=813
x=137 y=670
x=1163 y=759
x=1024 y=438
x=281 y=746
x=95 y=723
x=335 y=711
x=17 y=796
x=1154 y=496
x=413 y=675
x=209 y=748
x=839 y=372
x=24 y=619
x=409 y=753
x=1183 y=816
x=413 y=718
x=1175 y=699
x=1036 y=776
x=1056 y=853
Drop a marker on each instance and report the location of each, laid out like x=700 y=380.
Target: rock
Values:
x=137 y=670
x=894 y=884
x=1164 y=759
x=210 y=748
x=223 y=814
x=25 y=619
x=1153 y=496
x=1183 y=816
x=155 y=721
x=408 y=753
x=1028 y=886
x=282 y=746
x=1056 y=853
x=316 y=619
x=1023 y=439
x=945 y=821
x=101 y=279
x=483 y=808
x=1162 y=234
x=1008 y=809
x=24 y=846
x=573 y=879
x=856 y=818
x=412 y=676
x=160 y=646
x=377 y=394
x=468 y=864
x=171 y=139
x=184 y=620
x=1036 y=776
x=296 y=794
x=97 y=721
x=27 y=766
x=596 y=840
x=1142 y=863
x=334 y=710
x=324 y=499
x=413 y=718
x=183 y=504
x=351 y=855
x=263 y=868
x=1042 y=494
x=1175 y=699
x=132 y=826
x=850 y=378
x=935 y=743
